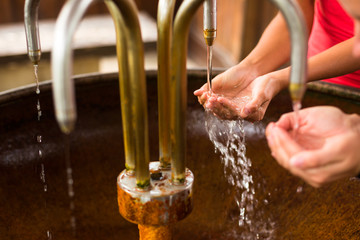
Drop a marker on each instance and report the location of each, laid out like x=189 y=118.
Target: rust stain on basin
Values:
x=296 y=210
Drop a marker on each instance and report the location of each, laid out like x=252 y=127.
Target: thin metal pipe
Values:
x=124 y=88
x=138 y=94
x=63 y=87
x=31 y=23
x=164 y=22
x=209 y=19
x=298 y=35
x=178 y=87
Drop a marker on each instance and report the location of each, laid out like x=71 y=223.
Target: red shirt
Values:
x=331 y=26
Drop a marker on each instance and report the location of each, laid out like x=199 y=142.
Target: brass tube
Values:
x=137 y=85
x=178 y=87
x=124 y=87
x=165 y=20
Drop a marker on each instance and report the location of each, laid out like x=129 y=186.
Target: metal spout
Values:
x=209 y=21
x=298 y=35
x=131 y=76
x=31 y=8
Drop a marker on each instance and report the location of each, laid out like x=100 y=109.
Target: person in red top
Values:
x=332 y=26
x=327 y=143
x=326 y=147
x=245 y=90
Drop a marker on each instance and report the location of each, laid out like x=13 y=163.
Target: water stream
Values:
x=39 y=140
x=70 y=185
x=209 y=67
x=228 y=138
x=296 y=108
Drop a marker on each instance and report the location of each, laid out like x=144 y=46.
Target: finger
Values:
x=314 y=158
x=255 y=109
x=287 y=121
x=284 y=147
x=232 y=108
x=203 y=98
x=199 y=92
x=219 y=110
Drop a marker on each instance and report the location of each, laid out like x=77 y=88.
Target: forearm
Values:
x=273 y=48
x=333 y=62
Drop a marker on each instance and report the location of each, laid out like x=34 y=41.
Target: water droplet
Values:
x=48 y=234
x=39 y=138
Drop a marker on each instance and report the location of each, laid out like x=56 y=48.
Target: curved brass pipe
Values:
x=131 y=68
x=164 y=20
x=178 y=85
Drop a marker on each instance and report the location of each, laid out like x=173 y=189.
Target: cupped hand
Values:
x=237 y=93
x=325 y=147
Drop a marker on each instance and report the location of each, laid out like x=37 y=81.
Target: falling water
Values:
x=39 y=140
x=70 y=184
x=296 y=108
x=209 y=67
x=228 y=138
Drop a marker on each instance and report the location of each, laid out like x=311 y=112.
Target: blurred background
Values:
x=239 y=24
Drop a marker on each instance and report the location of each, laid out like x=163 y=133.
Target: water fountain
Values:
x=98 y=126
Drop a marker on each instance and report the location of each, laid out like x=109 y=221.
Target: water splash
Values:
x=228 y=138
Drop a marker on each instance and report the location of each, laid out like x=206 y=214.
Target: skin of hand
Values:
x=237 y=93
x=243 y=81
x=324 y=148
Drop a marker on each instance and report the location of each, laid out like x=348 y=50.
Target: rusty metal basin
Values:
x=283 y=204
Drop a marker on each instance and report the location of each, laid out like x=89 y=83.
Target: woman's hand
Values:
x=324 y=148
x=239 y=93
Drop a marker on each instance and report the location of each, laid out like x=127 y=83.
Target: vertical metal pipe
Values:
x=178 y=85
x=124 y=88
x=298 y=35
x=164 y=22
x=209 y=19
x=63 y=87
x=138 y=94
x=31 y=23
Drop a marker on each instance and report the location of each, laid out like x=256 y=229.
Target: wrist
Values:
x=279 y=79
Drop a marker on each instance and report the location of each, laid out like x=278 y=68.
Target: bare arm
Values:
x=273 y=48
x=333 y=62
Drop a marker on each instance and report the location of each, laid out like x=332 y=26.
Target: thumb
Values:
x=311 y=159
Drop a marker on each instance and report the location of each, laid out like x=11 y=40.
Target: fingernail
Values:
x=296 y=161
